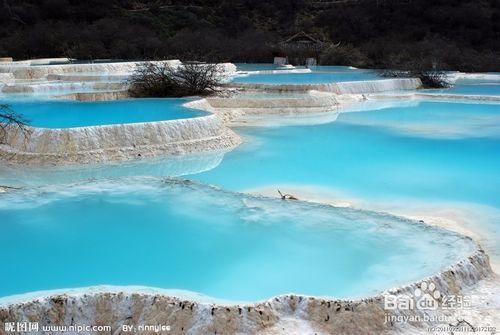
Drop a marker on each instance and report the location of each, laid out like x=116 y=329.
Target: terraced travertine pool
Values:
x=73 y=114
x=473 y=87
x=425 y=158
x=318 y=75
x=143 y=231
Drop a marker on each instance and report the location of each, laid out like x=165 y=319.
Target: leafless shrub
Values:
x=434 y=79
x=429 y=78
x=164 y=80
x=11 y=120
x=426 y=71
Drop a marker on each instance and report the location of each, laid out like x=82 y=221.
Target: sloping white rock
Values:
x=354 y=87
x=117 y=142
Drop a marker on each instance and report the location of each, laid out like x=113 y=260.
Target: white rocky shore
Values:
x=354 y=87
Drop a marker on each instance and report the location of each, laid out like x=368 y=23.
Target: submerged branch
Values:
x=10 y=119
x=286 y=196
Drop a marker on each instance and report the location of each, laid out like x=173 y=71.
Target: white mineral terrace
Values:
x=117 y=142
x=454 y=76
x=26 y=77
x=436 y=96
x=284 y=70
x=232 y=110
x=28 y=71
x=37 y=61
x=97 y=144
x=92 y=82
x=355 y=87
x=185 y=312
x=59 y=86
x=95 y=96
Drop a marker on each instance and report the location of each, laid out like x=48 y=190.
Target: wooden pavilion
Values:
x=300 y=49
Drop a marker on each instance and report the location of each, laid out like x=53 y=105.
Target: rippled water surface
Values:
x=422 y=152
x=230 y=246
x=143 y=231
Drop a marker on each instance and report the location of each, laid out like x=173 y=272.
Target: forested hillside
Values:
x=449 y=34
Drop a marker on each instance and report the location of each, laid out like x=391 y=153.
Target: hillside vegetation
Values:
x=445 y=34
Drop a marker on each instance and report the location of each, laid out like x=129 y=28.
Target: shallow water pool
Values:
x=230 y=246
x=394 y=157
x=319 y=75
x=69 y=114
x=473 y=87
x=434 y=149
x=180 y=235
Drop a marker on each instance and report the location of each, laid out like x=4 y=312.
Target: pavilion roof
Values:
x=301 y=37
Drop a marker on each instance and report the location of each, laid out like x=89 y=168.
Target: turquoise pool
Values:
x=393 y=156
x=432 y=158
x=319 y=75
x=431 y=150
x=69 y=114
x=168 y=234
x=256 y=67
x=474 y=87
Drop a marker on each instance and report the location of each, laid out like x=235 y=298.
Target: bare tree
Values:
x=164 y=80
x=11 y=120
x=12 y=15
